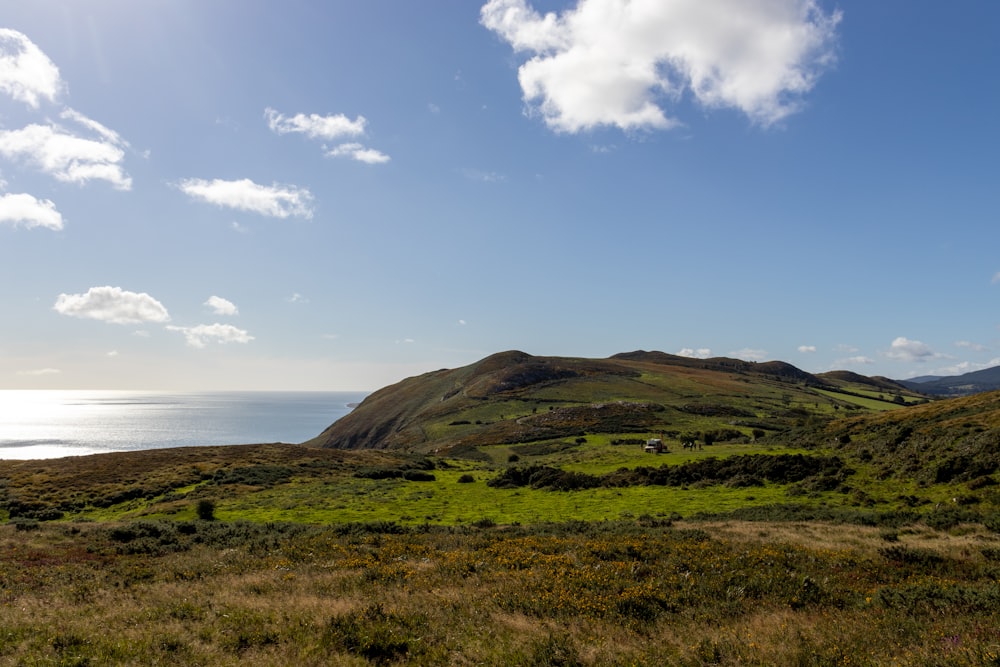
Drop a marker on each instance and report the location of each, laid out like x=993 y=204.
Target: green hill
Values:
x=513 y=397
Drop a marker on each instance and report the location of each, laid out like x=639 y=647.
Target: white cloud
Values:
x=112 y=353
x=359 y=153
x=329 y=127
x=700 y=353
x=221 y=306
x=38 y=372
x=843 y=348
x=904 y=349
x=245 y=195
x=297 y=298
x=462 y=323
x=750 y=354
x=203 y=334
x=996 y=278
x=807 y=348
x=315 y=126
x=852 y=361
x=105 y=133
x=23 y=209
x=112 y=304
x=66 y=156
x=617 y=62
x=26 y=73
x=976 y=347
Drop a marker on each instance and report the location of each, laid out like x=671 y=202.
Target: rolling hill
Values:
x=513 y=397
x=987 y=379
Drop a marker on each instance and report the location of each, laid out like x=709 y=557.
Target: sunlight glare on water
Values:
x=46 y=424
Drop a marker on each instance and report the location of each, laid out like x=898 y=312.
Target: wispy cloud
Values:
x=25 y=210
x=221 y=306
x=750 y=354
x=38 y=372
x=852 y=362
x=297 y=298
x=26 y=73
x=904 y=349
x=203 y=334
x=483 y=176
x=67 y=156
x=996 y=278
x=277 y=201
x=330 y=127
x=969 y=345
x=805 y=349
x=615 y=63
x=112 y=304
x=699 y=353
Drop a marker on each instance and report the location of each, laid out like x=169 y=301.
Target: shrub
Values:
x=205 y=510
x=466 y=479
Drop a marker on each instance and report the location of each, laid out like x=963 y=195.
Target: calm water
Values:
x=49 y=424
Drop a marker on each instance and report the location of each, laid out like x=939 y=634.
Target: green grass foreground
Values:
x=640 y=592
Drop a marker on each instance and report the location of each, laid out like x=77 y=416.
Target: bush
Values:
x=466 y=479
x=205 y=510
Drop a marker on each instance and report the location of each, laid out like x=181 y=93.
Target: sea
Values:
x=42 y=424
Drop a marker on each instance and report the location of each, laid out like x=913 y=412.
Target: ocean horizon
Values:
x=44 y=424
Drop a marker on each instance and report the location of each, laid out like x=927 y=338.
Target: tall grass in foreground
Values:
x=216 y=593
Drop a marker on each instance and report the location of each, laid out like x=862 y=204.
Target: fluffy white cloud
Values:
x=700 y=353
x=904 y=349
x=67 y=156
x=23 y=209
x=112 y=304
x=222 y=306
x=358 y=152
x=807 y=348
x=203 y=334
x=315 y=126
x=26 y=73
x=245 y=195
x=617 y=62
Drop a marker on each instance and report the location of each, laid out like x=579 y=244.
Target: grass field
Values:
x=628 y=592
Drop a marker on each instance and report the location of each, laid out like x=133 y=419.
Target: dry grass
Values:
x=962 y=542
x=582 y=594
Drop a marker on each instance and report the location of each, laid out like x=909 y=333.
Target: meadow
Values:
x=639 y=592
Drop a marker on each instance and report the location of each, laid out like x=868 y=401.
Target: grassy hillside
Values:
x=513 y=397
x=507 y=513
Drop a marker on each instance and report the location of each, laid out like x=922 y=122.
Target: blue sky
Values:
x=243 y=194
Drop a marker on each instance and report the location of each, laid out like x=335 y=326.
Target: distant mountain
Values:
x=966 y=384
x=514 y=398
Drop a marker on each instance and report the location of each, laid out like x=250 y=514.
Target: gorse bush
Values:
x=823 y=473
x=574 y=593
